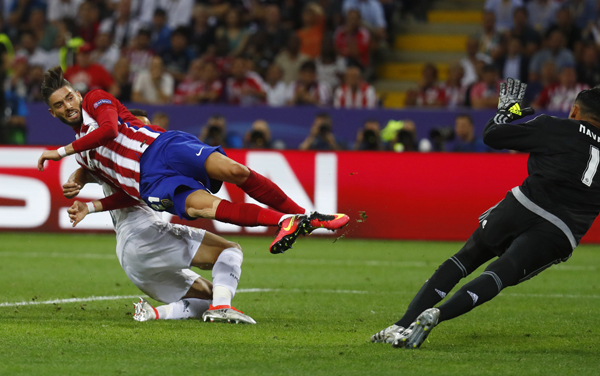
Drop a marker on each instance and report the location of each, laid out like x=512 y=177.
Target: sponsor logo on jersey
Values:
x=101 y=102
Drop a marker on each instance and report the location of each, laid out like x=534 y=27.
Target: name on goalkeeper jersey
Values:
x=583 y=129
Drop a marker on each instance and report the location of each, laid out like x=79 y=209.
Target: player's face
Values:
x=65 y=104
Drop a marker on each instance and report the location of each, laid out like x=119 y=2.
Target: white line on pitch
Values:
x=282 y=260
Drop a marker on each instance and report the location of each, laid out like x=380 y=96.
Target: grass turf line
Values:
x=301 y=330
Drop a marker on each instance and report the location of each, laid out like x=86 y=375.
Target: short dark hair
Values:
x=53 y=80
x=589 y=103
x=138 y=112
x=466 y=116
x=308 y=66
x=521 y=10
x=181 y=30
x=160 y=12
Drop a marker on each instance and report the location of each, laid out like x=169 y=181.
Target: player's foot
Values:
x=144 y=311
x=288 y=231
x=328 y=221
x=228 y=314
x=419 y=330
x=387 y=335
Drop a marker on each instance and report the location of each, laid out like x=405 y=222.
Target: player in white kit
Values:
x=156 y=256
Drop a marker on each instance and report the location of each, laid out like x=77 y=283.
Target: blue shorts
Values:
x=173 y=167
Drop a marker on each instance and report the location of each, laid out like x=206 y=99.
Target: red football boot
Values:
x=289 y=229
x=328 y=221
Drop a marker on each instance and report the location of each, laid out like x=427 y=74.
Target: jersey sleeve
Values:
x=118 y=200
x=102 y=107
x=526 y=137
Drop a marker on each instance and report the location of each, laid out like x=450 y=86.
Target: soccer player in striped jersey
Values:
x=169 y=170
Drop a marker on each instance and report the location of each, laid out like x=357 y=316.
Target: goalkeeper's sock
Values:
x=183 y=309
x=433 y=291
x=473 y=294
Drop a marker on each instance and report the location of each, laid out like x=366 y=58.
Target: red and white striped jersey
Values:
x=320 y=90
x=116 y=158
x=189 y=87
x=363 y=97
x=235 y=88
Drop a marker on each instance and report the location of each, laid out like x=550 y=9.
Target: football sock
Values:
x=264 y=190
x=433 y=291
x=473 y=294
x=246 y=214
x=183 y=309
x=226 y=276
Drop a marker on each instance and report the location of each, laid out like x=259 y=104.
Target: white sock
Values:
x=226 y=276
x=189 y=308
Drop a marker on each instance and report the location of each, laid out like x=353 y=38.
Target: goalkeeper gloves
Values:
x=512 y=93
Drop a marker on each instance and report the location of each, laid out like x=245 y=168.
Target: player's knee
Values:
x=506 y=270
x=235 y=246
x=239 y=172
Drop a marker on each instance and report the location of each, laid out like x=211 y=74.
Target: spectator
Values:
x=369 y=137
x=214 y=133
x=485 y=93
x=582 y=11
x=161 y=119
x=489 y=38
x=530 y=38
x=275 y=88
x=330 y=67
x=308 y=90
x=20 y=11
x=34 y=54
x=177 y=59
x=372 y=14
x=428 y=93
x=44 y=32
x=271 y=37
x=542 y=13
x=201 y=85
x=160 y=32
x=244 y=87
x=106 y=53
x=291 y=59
x=549 y=76
x=86 y=75
x=515 y=64
x=122 y=77
x=139 y=53
x=555 y=50
x=503 y=11
x=59 y=10
x=352 y=40
x=234 y=33
x=470 y=61
x=588 y=70
x=202 y=38
x=179 y=13
x=564 y=23
x=560 y=97
x=154 y=86
x=454 y=91
x=465 y=133
x=34 y=83
x=321 y=135
x=15 y=111
x=119 y=26
x=88 y=21
x=354 y=93
x=312 y=31
x=259 y=136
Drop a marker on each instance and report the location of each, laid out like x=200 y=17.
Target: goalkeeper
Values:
x=537 y=224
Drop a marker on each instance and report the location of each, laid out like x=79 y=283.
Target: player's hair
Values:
x=53 y=80
x=138 y=112
x=308 y=66
x=589 y=103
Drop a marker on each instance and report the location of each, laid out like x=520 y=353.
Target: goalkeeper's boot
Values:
x=226 y=313
x=420 y=330
x=289 y=229
x=387 y=335
x=327 y=221
x=144 y=311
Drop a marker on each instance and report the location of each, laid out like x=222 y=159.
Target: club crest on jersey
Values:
x=166 y=203
x=101 y=102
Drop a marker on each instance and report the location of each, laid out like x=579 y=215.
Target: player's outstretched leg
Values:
x=387 y=335
x=189 y=308
x=415 y=335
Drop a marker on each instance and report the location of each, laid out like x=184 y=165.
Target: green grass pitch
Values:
x=319 y=306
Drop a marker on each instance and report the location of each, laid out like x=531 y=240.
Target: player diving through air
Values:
x=537 y=224
x=169 y=170
x=156 y=256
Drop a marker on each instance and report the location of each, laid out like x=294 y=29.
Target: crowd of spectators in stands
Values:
x=551 y=45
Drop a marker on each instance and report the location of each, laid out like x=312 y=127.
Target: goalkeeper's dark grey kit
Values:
x=537 y=224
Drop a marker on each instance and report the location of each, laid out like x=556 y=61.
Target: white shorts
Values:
x=157 y=259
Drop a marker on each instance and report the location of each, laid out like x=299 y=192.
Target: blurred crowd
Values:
x=551 y=45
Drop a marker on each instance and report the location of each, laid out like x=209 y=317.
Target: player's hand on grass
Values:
x=512 y=93
x=71 y=189
x=51 y=155
x=77 y=212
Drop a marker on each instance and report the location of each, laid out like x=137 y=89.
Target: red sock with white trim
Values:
x=264 y=190
x=246 y=214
